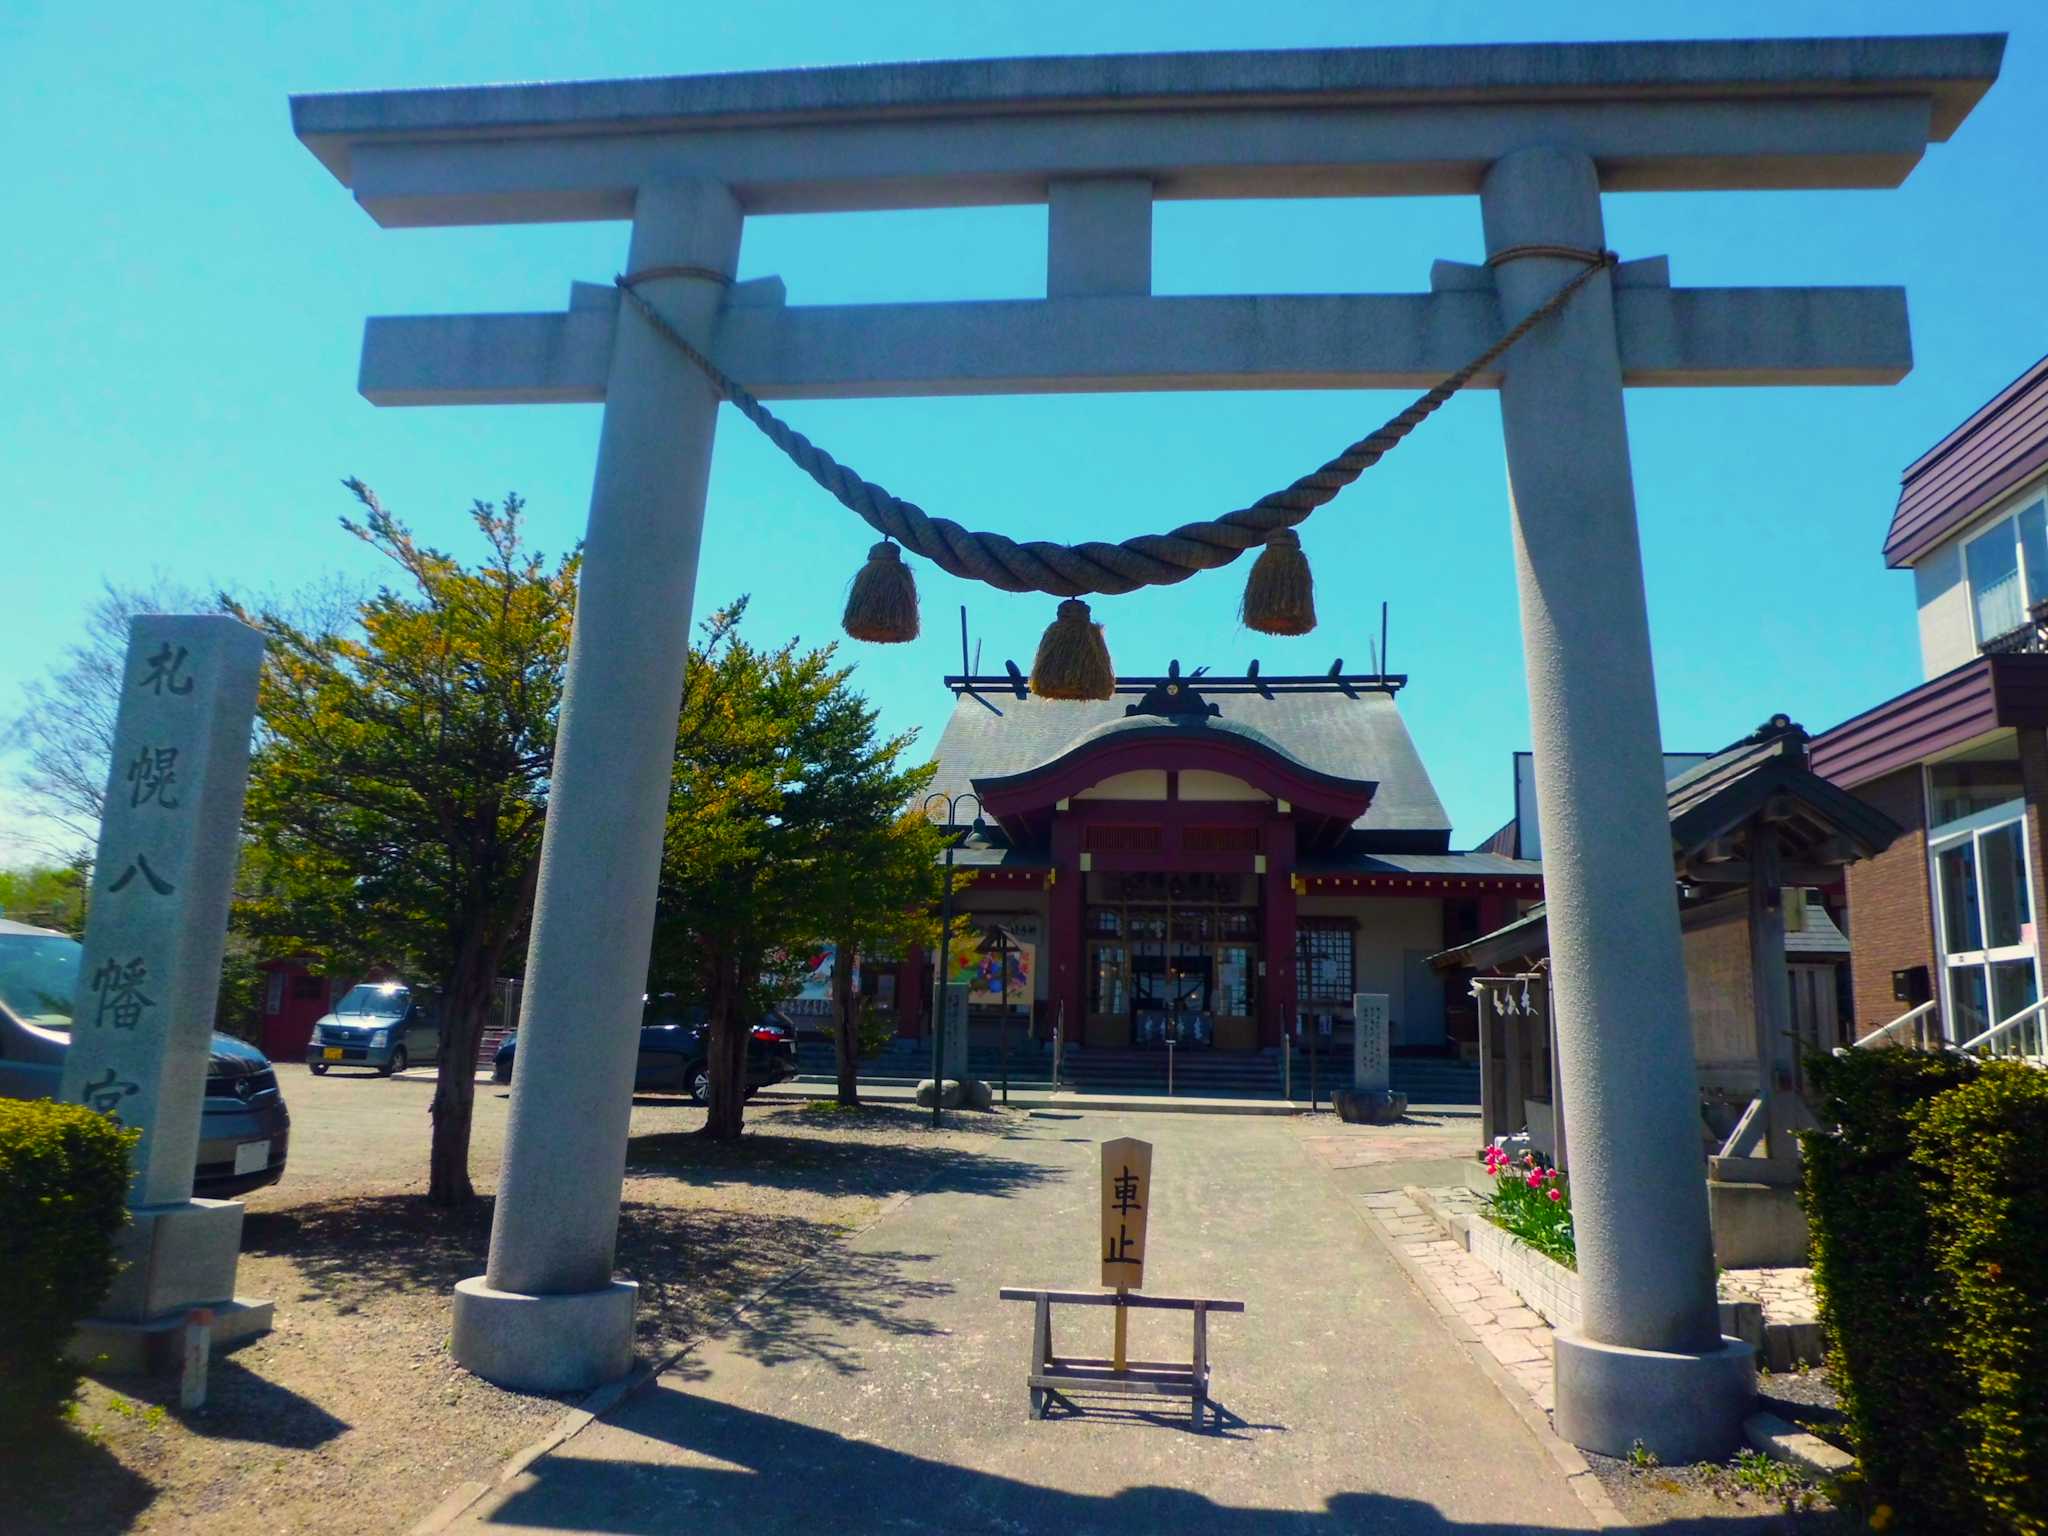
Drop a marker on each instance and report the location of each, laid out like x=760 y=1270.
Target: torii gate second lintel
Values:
x=1537 y=132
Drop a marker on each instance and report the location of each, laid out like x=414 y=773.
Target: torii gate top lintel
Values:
x=1100 y=139
x=1793 y=112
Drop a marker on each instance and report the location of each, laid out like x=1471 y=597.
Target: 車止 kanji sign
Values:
x=1126 y=1198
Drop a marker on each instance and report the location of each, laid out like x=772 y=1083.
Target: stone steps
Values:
x=1199 y=1074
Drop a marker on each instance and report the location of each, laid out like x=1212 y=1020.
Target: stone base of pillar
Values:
x=1682 y=1407
x=156 y=1346
x=957 y=1093
x=545 y=1343
x=174 y=1257
x=1369 y=1106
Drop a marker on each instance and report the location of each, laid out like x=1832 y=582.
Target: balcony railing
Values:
x=2028 y=639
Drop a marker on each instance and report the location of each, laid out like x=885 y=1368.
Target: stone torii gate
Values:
x=1538 y=133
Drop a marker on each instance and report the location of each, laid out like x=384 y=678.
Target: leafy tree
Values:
x=47 y=895
x=879 y=870
x=65 y=730
x=784 y=826
x=399 y=784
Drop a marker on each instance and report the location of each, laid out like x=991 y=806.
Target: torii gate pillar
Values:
x=546 y=1314
x=1649 y=1361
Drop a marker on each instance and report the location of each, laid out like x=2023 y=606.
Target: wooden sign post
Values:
x=1126 y=1200
x=1126 y=1203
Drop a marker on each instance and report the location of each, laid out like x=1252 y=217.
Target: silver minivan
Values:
x=377 y=1024
x=244 y=1130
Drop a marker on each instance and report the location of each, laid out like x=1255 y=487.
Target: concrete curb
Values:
x=602 y=1400
x=1578 y=1475
x=1782 y=1441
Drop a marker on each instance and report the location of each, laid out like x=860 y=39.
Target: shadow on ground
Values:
x=62 y=1481
x=769 y=1156
x=695 y=1260
x=739 y=1479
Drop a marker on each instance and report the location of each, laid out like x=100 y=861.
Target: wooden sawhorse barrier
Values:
x=1049 y=1373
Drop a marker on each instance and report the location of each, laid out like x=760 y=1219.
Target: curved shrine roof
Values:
x=1355 y=741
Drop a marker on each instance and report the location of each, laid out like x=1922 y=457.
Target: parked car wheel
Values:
x=699 y=1079
x=396 y=1064
x=318 y=1068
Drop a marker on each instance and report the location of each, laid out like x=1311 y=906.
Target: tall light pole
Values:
x=952 y=804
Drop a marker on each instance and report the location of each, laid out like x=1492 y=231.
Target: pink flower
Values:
x=1554 y=1175
x=1557 y=1194
x=1535 y=1178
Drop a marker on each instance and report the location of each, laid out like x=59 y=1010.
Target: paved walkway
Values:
x=901 y=1408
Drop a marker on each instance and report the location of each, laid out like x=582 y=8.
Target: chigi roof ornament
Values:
x=1172 y=696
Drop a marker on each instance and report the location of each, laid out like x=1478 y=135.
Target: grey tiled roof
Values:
x=1361 y=738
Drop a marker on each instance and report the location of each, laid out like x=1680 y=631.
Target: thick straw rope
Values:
x=1071 y=570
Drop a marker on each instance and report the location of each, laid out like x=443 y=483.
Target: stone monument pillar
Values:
x=1370 y=1100
x=1649 y=1361
x=953 y=1043
x=142 y=1023
x=547 y=1314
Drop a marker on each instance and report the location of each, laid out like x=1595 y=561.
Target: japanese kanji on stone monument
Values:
x=170 y=837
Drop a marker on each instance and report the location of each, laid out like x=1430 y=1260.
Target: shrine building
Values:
x=1214 y=857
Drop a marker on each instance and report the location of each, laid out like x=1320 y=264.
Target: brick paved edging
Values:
x=1510 y=1344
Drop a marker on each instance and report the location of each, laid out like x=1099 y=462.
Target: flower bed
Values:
x=1533 y=1203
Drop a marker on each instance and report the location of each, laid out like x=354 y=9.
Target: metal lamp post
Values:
x=951 y=804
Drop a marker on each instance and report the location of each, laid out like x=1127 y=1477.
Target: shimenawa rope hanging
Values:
x=1072 y=660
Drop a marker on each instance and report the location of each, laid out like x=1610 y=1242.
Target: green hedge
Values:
x=63 y=1194
x=1982 y=1151
x=1929 y=1209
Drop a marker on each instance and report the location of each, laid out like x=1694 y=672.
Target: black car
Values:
x=674 y=1050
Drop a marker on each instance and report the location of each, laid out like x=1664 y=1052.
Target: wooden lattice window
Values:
x=1326 y=952
x=1121 y=840
x=1220 y=839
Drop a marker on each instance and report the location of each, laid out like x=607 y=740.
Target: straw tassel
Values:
x=1073 y=659
x=881 y=605
x=1280 y=593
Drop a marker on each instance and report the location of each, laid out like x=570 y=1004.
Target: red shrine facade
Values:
x=1213 y=858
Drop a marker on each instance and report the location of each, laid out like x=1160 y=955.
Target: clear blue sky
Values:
x=187 y=288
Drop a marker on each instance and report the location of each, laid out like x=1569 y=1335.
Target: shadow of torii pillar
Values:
x=1648 y=1361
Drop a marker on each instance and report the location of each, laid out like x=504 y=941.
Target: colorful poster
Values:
x=814 y=991
x=983 y=971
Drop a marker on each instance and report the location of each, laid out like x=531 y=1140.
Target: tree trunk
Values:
x=465 y=1004
x=728 y=1053
x=845 y=1022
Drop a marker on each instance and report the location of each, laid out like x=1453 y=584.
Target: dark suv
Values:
x=243 y=1126
x=675 y=1045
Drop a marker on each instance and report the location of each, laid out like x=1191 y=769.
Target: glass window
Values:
x=39 y=977
x=1993 y=560
x=1972 y=1007
x=2012 y=988
x=1233 y=980
x=1956 y=871
x=2008 y=568
x=2004 y=865
x=2033 y=525
x=379 y=999
x=1326 y=956
x=1106 y=981
x=1975 y=782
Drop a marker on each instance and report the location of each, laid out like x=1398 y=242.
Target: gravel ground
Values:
x=1713 y=1499
x=351 y=1416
